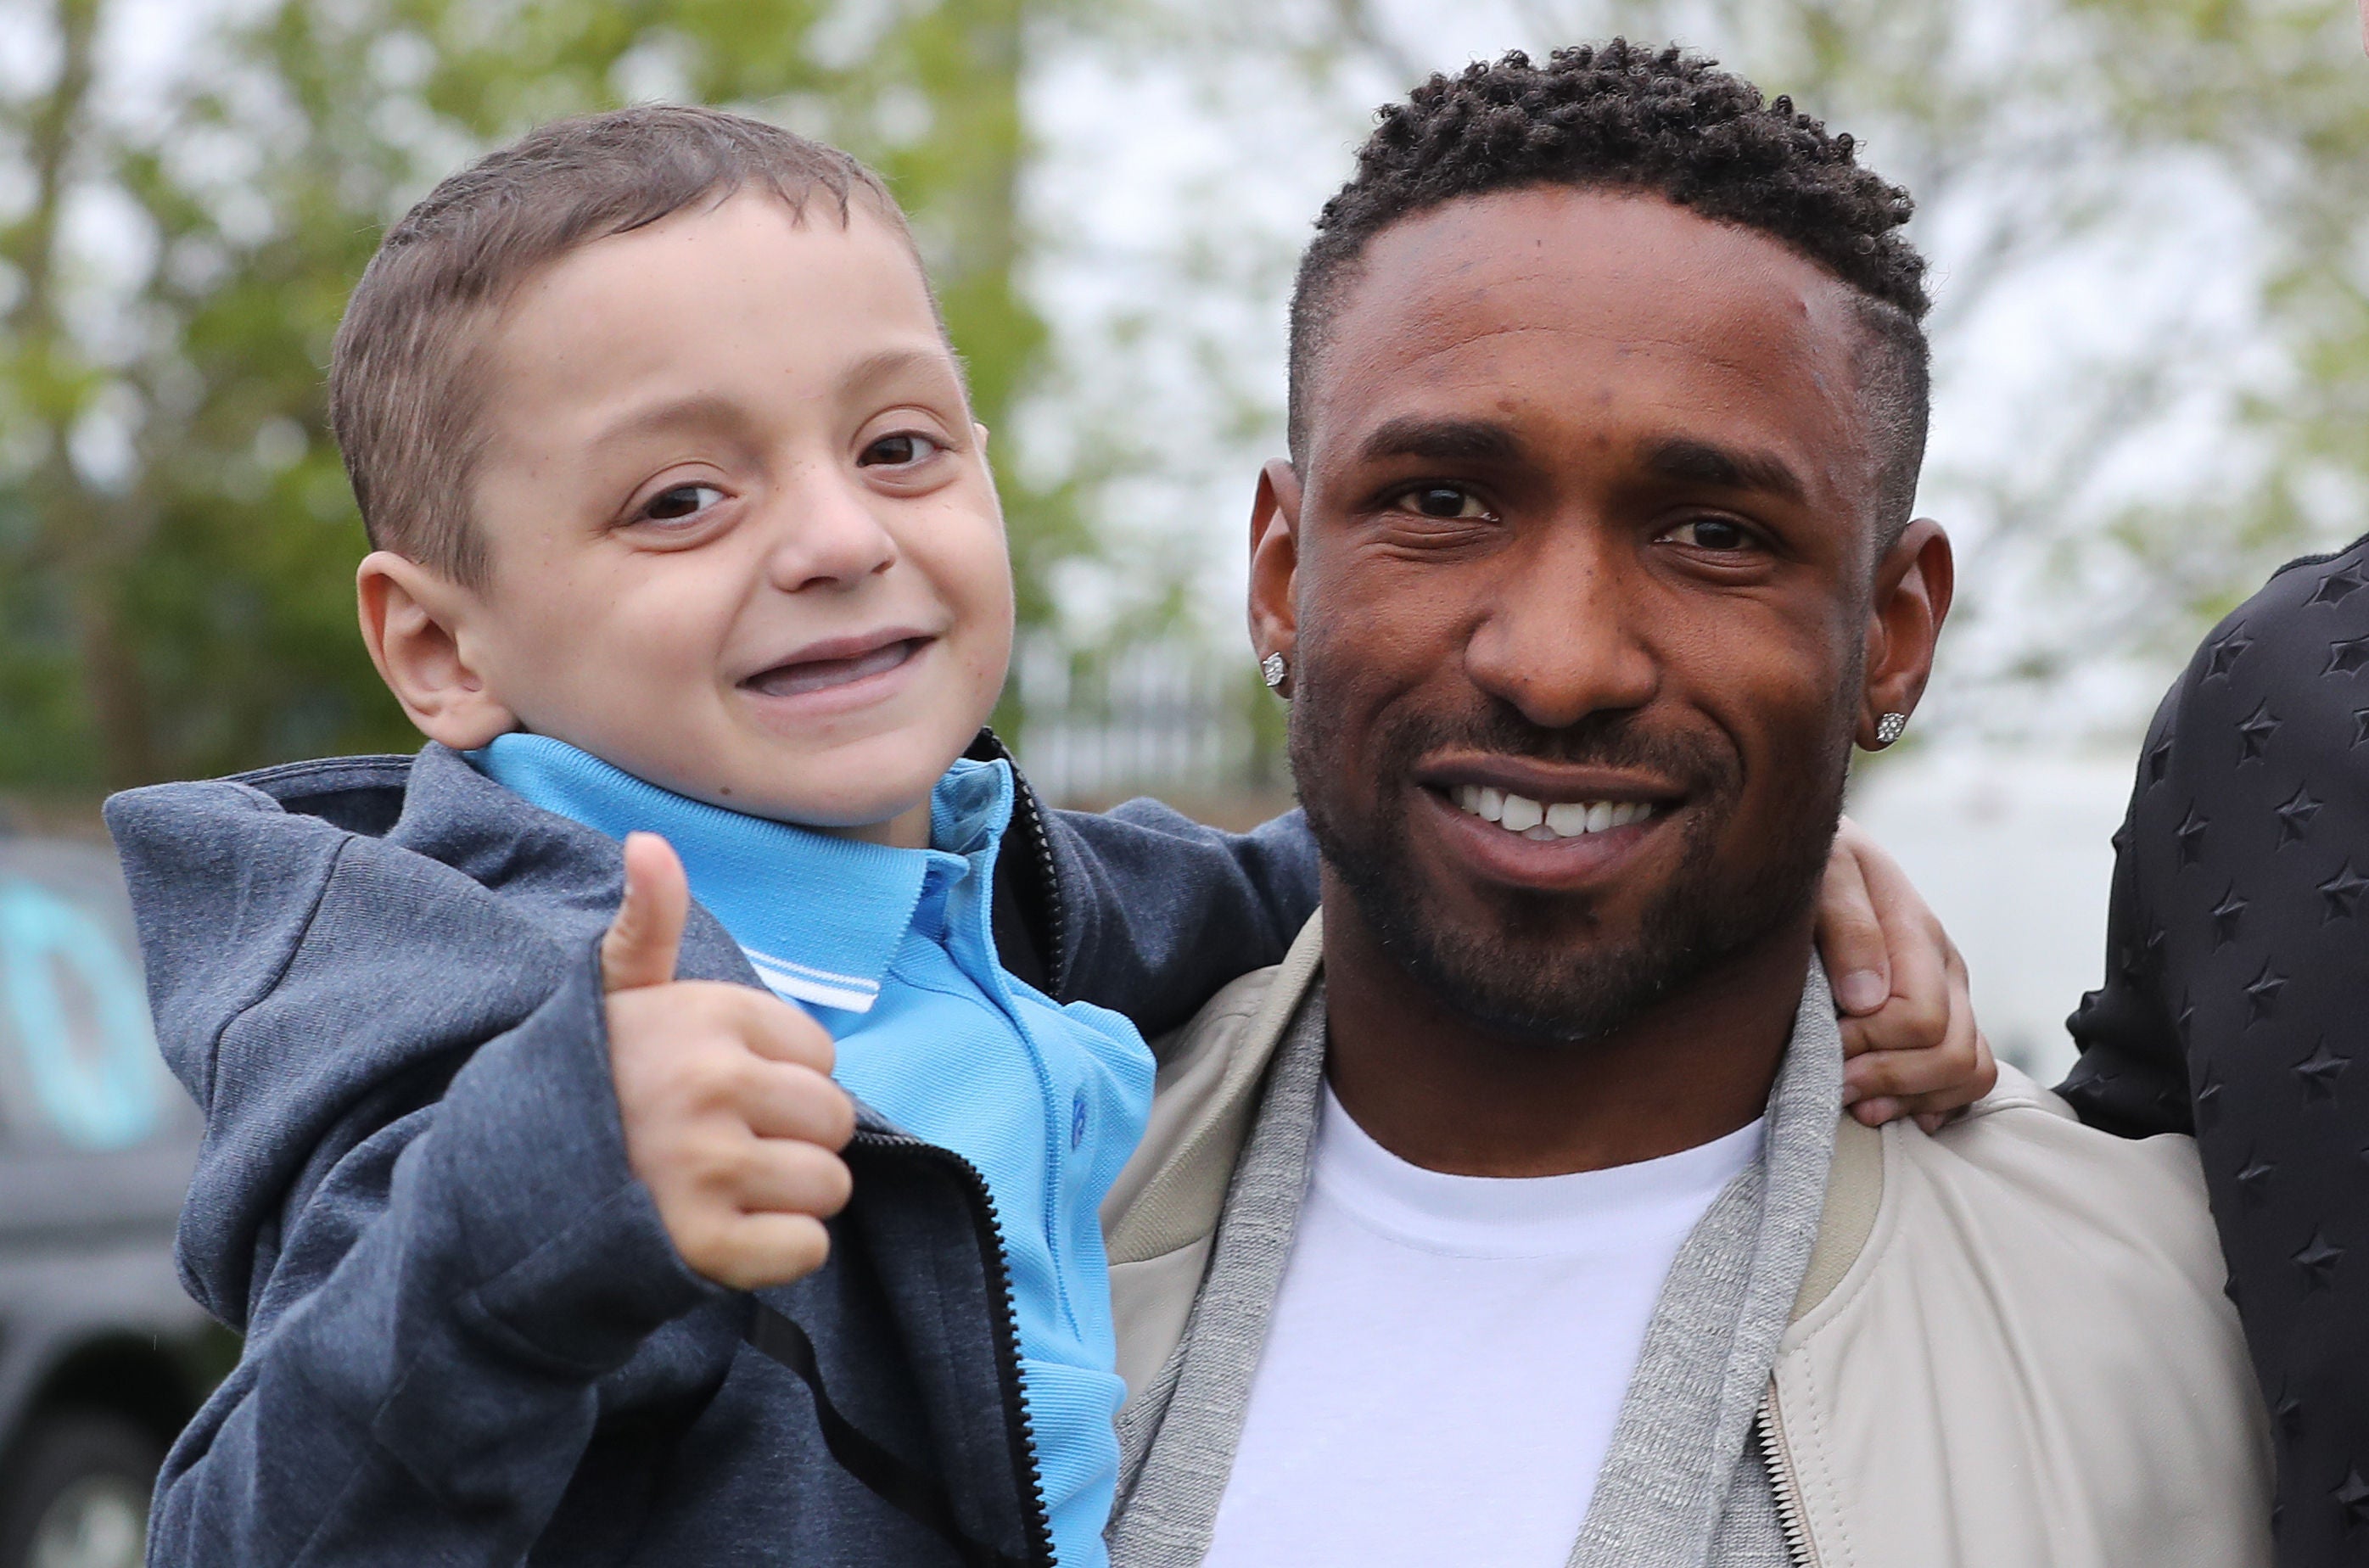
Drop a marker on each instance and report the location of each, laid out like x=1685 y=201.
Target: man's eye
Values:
x=899 y=451
x=1713 y=533
x=1443 y=501
x=681 y=501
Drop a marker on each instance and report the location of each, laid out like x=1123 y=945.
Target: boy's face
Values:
x=743 y=540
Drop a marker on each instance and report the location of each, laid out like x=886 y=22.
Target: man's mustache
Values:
x=1612 y=740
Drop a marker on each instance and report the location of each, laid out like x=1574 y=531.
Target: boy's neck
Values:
x=906 y=830
x=910 y=829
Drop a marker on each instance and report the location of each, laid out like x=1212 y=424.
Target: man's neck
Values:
x=1440 y=1091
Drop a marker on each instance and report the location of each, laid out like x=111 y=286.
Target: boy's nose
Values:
x=830 y=536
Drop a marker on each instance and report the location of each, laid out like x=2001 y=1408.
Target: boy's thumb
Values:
x=640 y=946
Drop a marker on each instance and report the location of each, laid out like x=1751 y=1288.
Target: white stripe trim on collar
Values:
x=803 y=982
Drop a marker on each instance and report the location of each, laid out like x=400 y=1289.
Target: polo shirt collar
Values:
x=821 y=916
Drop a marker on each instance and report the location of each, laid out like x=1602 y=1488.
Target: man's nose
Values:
x=1561 y=638
x=830 y=536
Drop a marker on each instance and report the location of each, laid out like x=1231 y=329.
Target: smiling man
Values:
x=1513 y=1220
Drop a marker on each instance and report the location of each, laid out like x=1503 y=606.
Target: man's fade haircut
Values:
x=406 y=375
x=1666 y=123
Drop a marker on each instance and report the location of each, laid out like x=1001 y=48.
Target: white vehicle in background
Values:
x=102 y=1356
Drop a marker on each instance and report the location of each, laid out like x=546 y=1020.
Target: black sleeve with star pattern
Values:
x=2237 y=1001
x=2132 y=1079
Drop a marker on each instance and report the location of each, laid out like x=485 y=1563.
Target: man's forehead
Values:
x=1575 y=306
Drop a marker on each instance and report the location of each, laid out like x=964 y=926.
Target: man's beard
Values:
x=1570 y=990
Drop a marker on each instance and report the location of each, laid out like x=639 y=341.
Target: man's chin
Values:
x=1512 y=981
x=1557 y=966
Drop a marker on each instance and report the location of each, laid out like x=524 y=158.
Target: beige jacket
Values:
x=2011 y=1348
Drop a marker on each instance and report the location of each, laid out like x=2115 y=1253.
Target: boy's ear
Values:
x=412 y=620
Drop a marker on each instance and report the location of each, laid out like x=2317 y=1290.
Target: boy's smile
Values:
x=743 y=540
x=842 y=670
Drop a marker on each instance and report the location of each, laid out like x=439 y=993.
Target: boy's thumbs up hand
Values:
x=732 y=1118
x=640 y=947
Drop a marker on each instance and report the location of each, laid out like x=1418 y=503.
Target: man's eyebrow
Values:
x=1690 y=462
x=1441 y=441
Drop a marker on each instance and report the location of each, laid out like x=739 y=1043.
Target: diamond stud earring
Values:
x=1890 y=727
x=1274 y=668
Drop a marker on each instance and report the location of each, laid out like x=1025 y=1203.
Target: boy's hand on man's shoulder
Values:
x=1909 y=1034
x=732 y=1118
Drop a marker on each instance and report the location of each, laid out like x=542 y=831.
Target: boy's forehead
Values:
x=749 y=255
x=741 y=296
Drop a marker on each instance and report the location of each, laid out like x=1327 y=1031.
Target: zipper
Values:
x=1039 y=1519
x=1780 y=1466
x=1028 y=819
x=1056 y=931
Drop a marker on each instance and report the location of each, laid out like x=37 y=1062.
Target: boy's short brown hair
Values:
x=405 y=376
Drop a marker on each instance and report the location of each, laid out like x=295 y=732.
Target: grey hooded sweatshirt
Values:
x=468 y=1338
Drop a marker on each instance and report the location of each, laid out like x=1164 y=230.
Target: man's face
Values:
x=743 y=540
x=1575 y=589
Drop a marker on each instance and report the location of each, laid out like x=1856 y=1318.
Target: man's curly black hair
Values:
x=1663 y=122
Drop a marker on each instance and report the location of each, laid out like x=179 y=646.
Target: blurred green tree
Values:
x=2276 y=92
x=177 y=539
x=175 y=536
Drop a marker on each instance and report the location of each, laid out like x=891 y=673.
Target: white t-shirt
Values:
x=1448 y=1355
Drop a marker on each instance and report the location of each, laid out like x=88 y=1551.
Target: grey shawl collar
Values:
x=1684 y=1425
x=1680 y=1486
x=1176 y=1443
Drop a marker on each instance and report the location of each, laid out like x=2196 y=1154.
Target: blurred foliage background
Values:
x=177 y=539
x=2148 y=216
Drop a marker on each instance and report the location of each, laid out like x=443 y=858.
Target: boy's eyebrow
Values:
x=889 y=363
x=704 y=409
x=708 y=410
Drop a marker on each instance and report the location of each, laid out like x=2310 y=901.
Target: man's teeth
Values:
x=1534 y=820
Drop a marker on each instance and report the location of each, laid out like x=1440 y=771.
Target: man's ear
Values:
x=412 y=622
x=1913 y=585
x=1274 y=567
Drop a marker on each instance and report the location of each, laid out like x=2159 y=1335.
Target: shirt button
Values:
x=1078 y=1120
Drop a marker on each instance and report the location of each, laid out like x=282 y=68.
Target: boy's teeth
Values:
x=1534 y=820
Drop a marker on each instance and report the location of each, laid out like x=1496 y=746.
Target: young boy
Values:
x=683 y=529
x=683 y=526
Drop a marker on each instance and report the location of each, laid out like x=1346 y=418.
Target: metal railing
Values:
x=1167 y=716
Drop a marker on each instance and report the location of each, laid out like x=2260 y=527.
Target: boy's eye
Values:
x=1447 y=502
x=901 y=450
x=1716 y=534
x=681 y=501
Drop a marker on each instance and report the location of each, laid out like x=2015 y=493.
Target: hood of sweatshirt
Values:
x=333 y=937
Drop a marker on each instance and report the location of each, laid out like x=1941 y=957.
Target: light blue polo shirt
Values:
x=892 y=950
